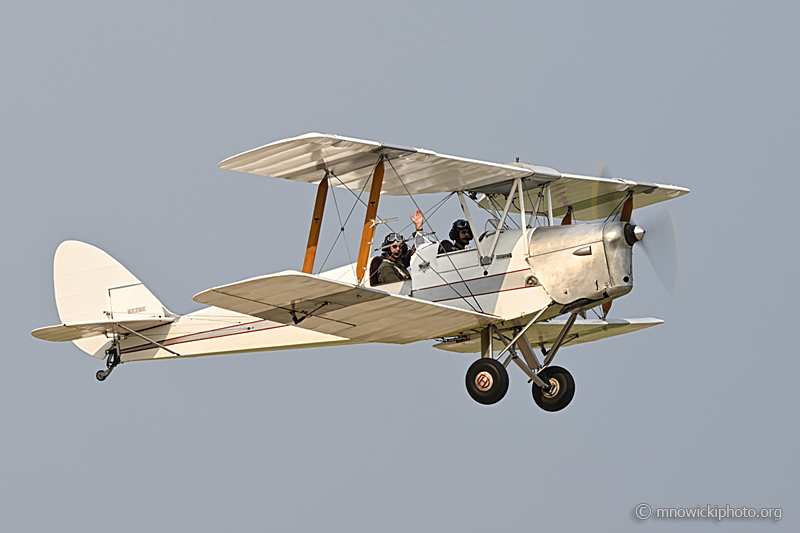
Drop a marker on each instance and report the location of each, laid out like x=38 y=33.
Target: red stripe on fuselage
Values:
x=470 y=279
x=481 y=294
x=172 y=341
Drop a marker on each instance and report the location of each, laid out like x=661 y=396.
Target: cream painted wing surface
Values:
x=109 y=328
x=547 y=332
x=350 y=162
x=409 y=170
x=591 y=198
x=342 y=309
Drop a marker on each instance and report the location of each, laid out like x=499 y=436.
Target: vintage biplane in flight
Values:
x=501 y=299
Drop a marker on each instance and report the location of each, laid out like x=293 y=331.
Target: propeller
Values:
x=660 y=245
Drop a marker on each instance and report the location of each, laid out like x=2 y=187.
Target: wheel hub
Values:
x=484 y=381
x=552 y=392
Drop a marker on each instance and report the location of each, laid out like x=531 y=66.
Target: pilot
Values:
x=460 y=235
x=395 y=255
x=393 y=260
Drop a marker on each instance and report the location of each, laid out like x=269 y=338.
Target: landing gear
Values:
x=487 y=381
x=560 y=390
x=487 y=378
x=111 y=361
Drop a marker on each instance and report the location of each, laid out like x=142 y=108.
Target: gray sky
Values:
x=114 y=117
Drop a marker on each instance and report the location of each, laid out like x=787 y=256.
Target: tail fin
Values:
x=91 y=286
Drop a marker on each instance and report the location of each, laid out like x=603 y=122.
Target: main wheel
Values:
x=487 y=381
x=562 y=389
x=101 y=375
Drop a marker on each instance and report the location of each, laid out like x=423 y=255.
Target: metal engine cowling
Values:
x=584 y=262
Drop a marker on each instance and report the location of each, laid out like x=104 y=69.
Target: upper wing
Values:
x=342 y=309
x=546 y=333
x=84 y=330
x=591 y=198
x=307 y=157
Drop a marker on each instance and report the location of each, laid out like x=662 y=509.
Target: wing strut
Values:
x=368 y=233
x=316 y=225
x=627 y=208
x=567 y=220
x=522 y=223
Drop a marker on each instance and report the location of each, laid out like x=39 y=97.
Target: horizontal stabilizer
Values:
x=342 y=309
x=109 y=328
x=545 y=333
x=95 y=294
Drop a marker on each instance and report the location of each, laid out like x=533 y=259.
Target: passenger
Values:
x=460 y=235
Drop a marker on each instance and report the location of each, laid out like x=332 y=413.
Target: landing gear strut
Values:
x=111 y=361
x=487 y=378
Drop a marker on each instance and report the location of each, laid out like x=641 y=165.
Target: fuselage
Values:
x=561 y=268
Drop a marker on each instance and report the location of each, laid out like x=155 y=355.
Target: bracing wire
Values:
x=496 y=210
x=432 y=211
x=438 y=243
x=450 y=285
x=342 y=232
x=617 y=210
x=357 y=196
x=342 y=225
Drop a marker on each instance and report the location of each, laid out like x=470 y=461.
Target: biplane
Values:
x=519 y=289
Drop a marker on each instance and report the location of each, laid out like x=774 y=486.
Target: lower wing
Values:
x=545 y=333
x=342 y=309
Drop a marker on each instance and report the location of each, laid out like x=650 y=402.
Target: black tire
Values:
x=101 y=376
x=493 y=381
x=563 y=395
